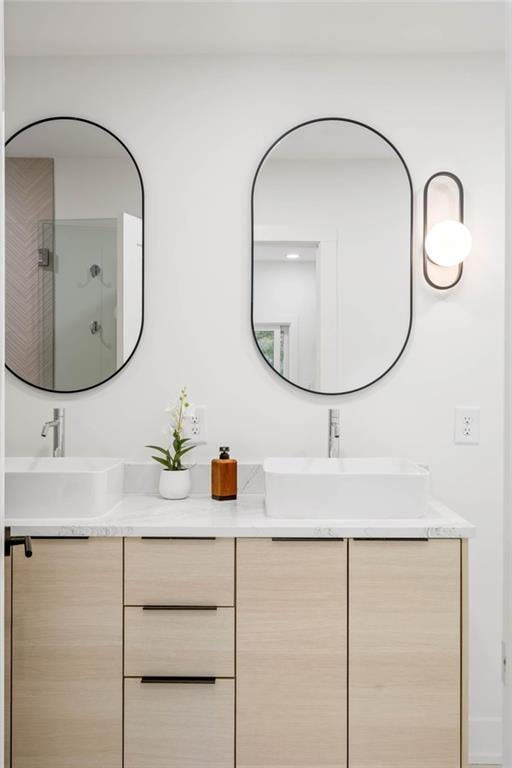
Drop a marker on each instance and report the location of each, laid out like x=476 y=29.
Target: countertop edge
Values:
x=199 y=516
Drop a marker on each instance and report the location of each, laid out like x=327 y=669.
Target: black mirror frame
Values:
x=411 y=231
x=130 y=155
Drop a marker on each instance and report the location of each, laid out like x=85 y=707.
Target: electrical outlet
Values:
x=194 y=425
x=467 y=425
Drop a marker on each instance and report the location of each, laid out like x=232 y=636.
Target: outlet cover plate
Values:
x=467 y=425
x=195 y=426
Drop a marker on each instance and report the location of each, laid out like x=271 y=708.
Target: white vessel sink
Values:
x=61 y=488
x=345 y=488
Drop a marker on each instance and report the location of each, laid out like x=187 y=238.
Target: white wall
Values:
x=198 y=127
x=507 y=528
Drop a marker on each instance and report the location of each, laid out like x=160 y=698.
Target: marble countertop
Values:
x=199 y=515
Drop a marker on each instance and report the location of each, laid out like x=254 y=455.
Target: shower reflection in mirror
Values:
x=74 y=254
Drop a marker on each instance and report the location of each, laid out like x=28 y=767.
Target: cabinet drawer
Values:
x=179 y=571
x=179 y=642
x=172 y=725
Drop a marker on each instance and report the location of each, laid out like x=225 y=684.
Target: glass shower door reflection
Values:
x=85 y=268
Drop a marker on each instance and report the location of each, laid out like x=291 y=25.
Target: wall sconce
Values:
x=448 y=242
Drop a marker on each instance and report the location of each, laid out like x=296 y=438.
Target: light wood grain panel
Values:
x=291 y=654
x=179 y=726
x=179 y=572
x=7 y=661
x=67 y=655
x=465 y=654
x=404 y=660
x=179 y=642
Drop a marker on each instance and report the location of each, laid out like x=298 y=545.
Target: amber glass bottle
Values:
x=224 y=476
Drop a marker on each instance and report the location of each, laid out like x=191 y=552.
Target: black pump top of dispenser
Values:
x=224 y=452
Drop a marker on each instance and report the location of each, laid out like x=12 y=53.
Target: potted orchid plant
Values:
x=175 y=478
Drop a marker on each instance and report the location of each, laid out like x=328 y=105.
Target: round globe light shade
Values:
x=448 y=243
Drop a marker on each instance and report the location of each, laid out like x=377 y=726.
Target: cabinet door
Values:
x=291 y=653
x=7 y=661
x=67 y=655
x=405 y=654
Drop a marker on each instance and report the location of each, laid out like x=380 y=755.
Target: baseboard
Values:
x=485 y=741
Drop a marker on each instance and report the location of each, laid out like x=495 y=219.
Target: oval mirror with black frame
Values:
x=74 y=254
x=332 y=256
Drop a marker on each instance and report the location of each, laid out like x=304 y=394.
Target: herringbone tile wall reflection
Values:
x=29 y=287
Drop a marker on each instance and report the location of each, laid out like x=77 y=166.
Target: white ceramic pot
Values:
x=175 y=485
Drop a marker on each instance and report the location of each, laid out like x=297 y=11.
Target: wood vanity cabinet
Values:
x=67 y=631
x=334 y=654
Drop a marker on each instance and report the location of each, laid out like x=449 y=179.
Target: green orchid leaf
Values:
x=157 y=448
x=164 y=462
x=186 y=450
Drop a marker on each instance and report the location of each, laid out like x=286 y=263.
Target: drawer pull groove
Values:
x=305 y=538
x=63 y=538
x=179 y=607
x=389 y=538
x=179 y=538
x=178 y=680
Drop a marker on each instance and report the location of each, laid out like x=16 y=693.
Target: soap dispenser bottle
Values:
x=224 y=476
